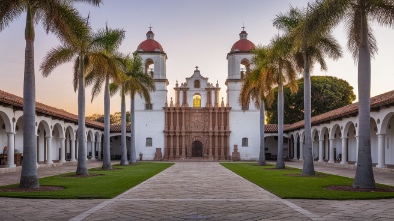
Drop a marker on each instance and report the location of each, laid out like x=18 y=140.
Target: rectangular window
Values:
x=148 y=141
x=244 y=142
x=148 y=106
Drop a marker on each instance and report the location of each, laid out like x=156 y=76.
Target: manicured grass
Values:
x=300 y=187
x=108 y=185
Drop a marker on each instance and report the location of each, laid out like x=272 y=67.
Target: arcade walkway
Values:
x=196 y=191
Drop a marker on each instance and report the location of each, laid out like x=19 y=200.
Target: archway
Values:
x=197 y=149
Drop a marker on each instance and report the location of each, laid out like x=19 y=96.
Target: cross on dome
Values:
x=243 y=27
x=196 y=68
x=150 y=27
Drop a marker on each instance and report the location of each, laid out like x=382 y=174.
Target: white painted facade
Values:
x=56 y=138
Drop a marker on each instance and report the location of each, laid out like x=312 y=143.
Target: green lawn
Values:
x=300 y=187
x=108 y=185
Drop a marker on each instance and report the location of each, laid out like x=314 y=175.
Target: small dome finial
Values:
x=196 y=68
x=243 y=34
x=150 y=34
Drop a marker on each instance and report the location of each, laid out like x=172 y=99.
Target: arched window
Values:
x=244 y=67
x=197 y=100
x=196 y=84
x=149 y=67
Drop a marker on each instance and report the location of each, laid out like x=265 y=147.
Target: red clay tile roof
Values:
x=386 y=99
x=115 y=128
x=273 y=128
x=17 y=101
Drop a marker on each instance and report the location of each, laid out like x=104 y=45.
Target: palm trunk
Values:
x=123 y=161
x=106 y=149
x=262 y=161
x=29 y=177
x=280 y=163
x=81 y=167
x=308 y=167
x=364 y=177
x=133 y=154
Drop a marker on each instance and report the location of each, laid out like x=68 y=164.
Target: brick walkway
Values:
x=195 y=191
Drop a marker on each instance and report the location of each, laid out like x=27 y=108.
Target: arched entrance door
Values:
x=197 y=149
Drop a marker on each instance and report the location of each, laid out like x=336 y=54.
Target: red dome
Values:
x=243 y=45
x=150 y=45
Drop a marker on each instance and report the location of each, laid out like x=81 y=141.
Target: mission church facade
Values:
x=196 y=122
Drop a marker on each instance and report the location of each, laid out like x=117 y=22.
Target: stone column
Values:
x=99 y=150
x=67 y=145
x=326 y=149
x=210 y=156
x=381 y=142
x=177 y=146
x=94 y=150
x=321 y=151
x=301 y=150
x=171 y=147
x=49 y=150
x=10 y=151
x=183 y=147
x=344 y=153
x=62 y=150
x=295 y=148
x=222 y=157
x=216 y=147
x=72 y=159
x=332 y=157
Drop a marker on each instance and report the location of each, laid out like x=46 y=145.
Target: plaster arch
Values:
x=382 y=127
x=46 y=127
x=302 y=136
x=334 y=130
x=323 y=131
x=59 y=129
x=315 y=134
x=70 y=131
x=89 y=135
x=6 y=121
x=346 y=128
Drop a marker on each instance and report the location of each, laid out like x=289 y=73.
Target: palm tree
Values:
x=60 y=18
x=280 y=64
x=358 y=16
x=311 y=45
x=88 y=60
x=114 y=87
x=257 y=86
x=138 y=83
x=107 y=66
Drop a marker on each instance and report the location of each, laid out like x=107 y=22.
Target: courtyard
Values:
x=197 y=191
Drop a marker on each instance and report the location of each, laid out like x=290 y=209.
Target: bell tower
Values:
x=149 y=117
x=243 y=121
x=239 y=61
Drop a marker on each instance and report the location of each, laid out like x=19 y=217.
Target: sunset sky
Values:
x=192 y=33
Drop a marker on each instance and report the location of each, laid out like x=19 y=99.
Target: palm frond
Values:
x=62 y=19
x=10 y=10
x=55 y=57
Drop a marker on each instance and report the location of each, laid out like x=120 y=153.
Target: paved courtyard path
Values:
x=194 y=191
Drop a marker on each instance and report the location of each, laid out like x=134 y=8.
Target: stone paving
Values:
x=196 y=191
